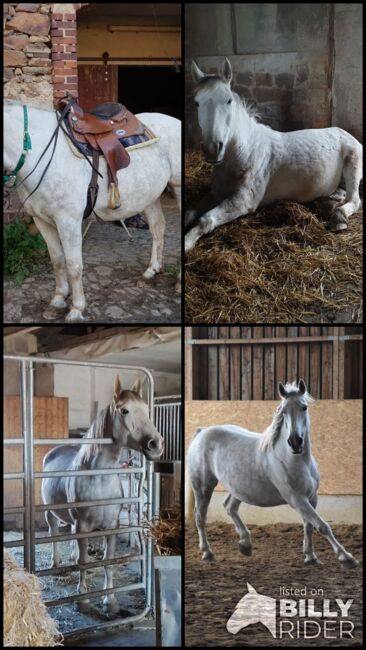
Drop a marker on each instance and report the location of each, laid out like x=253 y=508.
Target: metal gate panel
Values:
x=145 y=483
x=167 y=419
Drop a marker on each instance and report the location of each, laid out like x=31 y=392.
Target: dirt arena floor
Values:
x=213 y=589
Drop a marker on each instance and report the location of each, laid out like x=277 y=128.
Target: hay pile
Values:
x=277 y=265
x=27 y=622
x=166 y=531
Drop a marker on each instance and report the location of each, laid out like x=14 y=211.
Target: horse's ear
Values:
x=282 y=390
x=227 y=73
x=117 y=388
x=197 y=74
x=302 y=387
x=251 y=589
x=137 y=387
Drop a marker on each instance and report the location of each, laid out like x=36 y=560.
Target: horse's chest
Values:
x=227 y=179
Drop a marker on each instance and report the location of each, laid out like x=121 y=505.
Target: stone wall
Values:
x=27 y=53
x=286 y=59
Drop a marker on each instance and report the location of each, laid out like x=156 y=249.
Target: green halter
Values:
x=27 y=145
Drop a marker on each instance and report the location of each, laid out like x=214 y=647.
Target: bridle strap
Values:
x=27 y=146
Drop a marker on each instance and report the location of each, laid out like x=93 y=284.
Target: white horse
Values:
x=255 y=165
x=57 y=206
x=263 y=470
x=126 y=421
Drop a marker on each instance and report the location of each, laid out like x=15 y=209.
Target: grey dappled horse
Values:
x=268 y=469
x=255 y=165
x=126 y=421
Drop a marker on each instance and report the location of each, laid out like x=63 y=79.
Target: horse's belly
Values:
x=299 y=186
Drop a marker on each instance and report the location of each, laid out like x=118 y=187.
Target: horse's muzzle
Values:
x=296 y=443
x=213 y=152
x=154 y=448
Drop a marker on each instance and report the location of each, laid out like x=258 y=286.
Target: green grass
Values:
x=24 y=254
x=173 y=269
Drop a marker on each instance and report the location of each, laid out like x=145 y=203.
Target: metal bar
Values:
x=89 y=472
x=60 y=441
x=97 y=592
x=30 y=450
x=27 y=471
x=15 y=542
x=13 y=475
x=260 y=341
x=82 y=504
x=8 y=511
x=96 y=533
x=76 y=634
x=89 y=565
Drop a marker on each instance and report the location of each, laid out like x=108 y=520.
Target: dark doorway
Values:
x=156 y=89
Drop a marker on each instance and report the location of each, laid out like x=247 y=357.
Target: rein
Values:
x=27 y=146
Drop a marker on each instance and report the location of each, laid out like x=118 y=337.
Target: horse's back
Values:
x=209 y=441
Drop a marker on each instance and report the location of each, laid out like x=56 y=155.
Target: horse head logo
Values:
x=253 y=608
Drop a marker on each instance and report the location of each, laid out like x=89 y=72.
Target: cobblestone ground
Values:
x=113 y=266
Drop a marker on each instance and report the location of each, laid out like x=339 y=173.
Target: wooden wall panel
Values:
x=336 y=434
x=51 y=415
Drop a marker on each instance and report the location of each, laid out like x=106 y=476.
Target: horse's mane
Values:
x=249 y=108
x=97 y=429
x=272 y=433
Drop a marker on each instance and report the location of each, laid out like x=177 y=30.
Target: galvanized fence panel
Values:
x=141 y=480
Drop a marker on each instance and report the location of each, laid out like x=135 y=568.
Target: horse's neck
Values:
x=106 y=457
x=243 y=136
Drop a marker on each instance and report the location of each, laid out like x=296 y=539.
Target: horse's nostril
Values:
x=151 y=444
x=220 y=145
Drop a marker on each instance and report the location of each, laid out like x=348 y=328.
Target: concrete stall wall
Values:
x=300 y=64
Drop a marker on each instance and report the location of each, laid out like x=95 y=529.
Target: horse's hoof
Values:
x=337 y=221
x=111 y=608
x=245 y=549
x=178 y=288
x=349 y=563
x=312 y=561
x=84 y=606
x=52 y=313
x=74 y=316
x=209 y=556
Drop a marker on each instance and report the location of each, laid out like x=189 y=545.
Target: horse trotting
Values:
x=271 y=469
x=255 y=165
x=126 y=421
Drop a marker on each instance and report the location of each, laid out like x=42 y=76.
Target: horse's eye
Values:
x=124 y=411
x=304 y=408
x=229 y=101
x=196 y=104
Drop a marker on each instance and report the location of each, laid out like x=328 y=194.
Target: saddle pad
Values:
x=81 y=149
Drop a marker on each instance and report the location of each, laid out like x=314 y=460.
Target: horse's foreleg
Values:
x=84 y=604
x=53 y=530
x=156 y=220
x=50 y=235
x=310 y=557
x=231 y=505
x=110 y=603
x=71 y=239
x=352 y=173
x=74 y=547
x=310 y=516
x=202 y=496
x=239 y=204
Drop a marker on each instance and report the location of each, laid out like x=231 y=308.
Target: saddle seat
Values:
x=100 y=131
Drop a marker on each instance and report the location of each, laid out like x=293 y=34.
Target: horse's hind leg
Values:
x=177 y=189
x=202 y=496
x=231 y=505
x=352 y=172
x=110 y=603
x=156 y=220
x=310 y=557
x=53 y=530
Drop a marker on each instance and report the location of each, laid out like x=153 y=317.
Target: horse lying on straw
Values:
x=255 y=165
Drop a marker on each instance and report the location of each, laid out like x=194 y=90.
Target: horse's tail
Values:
x=189 y=496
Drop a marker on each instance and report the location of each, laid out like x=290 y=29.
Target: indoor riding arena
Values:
x=232 y=374
x=58 y=380
x=298 y=68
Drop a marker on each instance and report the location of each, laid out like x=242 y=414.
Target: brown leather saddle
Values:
x=99 y=132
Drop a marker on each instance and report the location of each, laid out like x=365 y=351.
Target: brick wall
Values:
x=285 y=59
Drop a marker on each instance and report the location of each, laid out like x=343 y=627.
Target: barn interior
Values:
x=65 y=403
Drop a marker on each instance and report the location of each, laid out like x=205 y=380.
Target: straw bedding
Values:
x=26 y=619
x=277 y=265
x=166 y=531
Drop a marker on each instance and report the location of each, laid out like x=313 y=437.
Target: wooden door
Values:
x=94 y=89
